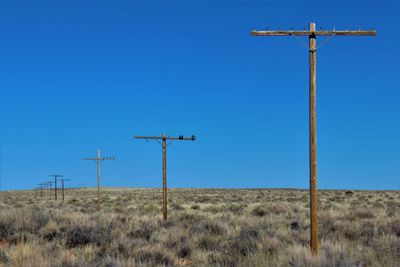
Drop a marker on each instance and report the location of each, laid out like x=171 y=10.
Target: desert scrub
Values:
x=206 y=227
x=259 y=210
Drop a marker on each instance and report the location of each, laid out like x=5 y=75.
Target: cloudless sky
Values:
x=78 y=74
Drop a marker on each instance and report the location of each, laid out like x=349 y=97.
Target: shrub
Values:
x=119 y=210
x=243 y=247
x=387 y=249
x=143 y=231
x=152 y=209
x=188 y=219
x=153 y=256
x=395 y=227
x=362 y=213
x=222 y=259
x=208 y=227
x=4 y=257
x=246 y=242
x=6 y=229
x=327 y=224
x=176 y=206
x=50 y=231
x=214 y=208
x=367 y=232
x=236 y=208
x=184 y=250
x=349 y=230
x=249 y=232
x=207 y=242
x=294 y=225
x=349 y=193
x=195 y=207
x=280 y=208
x=203 y=199
x=78 y=236
x=392 y=208
x=259 y=211
x=271 y=245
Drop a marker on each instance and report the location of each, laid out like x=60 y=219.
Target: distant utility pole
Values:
x=56 y=176
x=312 y=48
x=42 y=187
x=49 y=184
x=99 y=159
x=164 y=145
x=62 y=183
x=36 y=191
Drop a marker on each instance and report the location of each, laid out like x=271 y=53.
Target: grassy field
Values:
x=206 y=227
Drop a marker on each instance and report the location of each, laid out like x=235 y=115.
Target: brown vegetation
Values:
x=206 y=227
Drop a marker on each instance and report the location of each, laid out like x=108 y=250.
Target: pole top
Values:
x=312 y=26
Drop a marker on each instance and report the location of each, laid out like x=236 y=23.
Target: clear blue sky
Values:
x=78 y=74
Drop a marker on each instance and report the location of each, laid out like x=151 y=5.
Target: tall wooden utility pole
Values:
x=55 y=183
x=99 y=159
x=164 y=145
x=312 y=47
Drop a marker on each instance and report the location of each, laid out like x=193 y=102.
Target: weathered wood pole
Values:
x=312 y=33
x=164 y=145
x=50 y=189
x=313 y=141
x=62 y=182
x=98 y=178
x=98 y=160
x=164 y=167
x=55 y=187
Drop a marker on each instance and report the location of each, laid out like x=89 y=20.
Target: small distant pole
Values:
x=99 y=159
x=62 y=183
x=50 y=188
x=164 y=145
x=41 y=187
x=56 y=176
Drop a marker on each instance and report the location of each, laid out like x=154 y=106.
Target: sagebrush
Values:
x=206 y=227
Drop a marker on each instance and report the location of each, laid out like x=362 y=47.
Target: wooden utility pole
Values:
x=99 y=159
x=50 y=188
x=42 y=187
x=164 y=145
x=55 y=183
x=62 y=184
x=312 y=47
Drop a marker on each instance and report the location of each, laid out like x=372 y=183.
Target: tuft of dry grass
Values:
x=206 y=227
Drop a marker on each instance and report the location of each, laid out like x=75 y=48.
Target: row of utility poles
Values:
x=48 y=186
x=312 y=34
x=162 y=140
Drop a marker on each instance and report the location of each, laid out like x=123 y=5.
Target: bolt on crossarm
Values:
x=99 y=159
x=312 y=33
x=164 y=145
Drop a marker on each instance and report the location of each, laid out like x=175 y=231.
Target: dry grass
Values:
x=207 y=227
